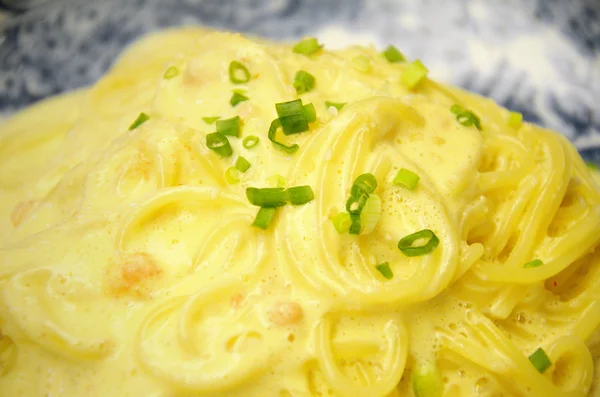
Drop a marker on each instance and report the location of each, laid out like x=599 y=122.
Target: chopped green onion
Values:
x=235 y=69
x=384 y=269
x=337 y=105
x=171 y=72
x=364 y=183
x=456 y=109
x=241 y=164
x=592 y=166
x=289 y=108
x=219 y=144
x=275 y=125
x=533 y=263
x=237 y=98
x=466 y=117
x=355 y=204
x=515 y=120
x=355 y=224
x=210 y=120
x=427 y=382
x=264 y=217
x=413 y=74
x=294 y=124
x=232 y=175
x=342 y=222
x=141 y=119
x=299 y=195
x=229 y=126
x=370 y=214
x=250 y=141
x=406 y=243
x=310 y=112
x=267 y=197
x=307 y=46
x=540 y=360
x=393 y=55
x=407 y=179
x=303 y=82
x=276 y=181
x=362 y=63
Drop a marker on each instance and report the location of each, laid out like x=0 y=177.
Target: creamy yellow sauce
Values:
x=129 y=265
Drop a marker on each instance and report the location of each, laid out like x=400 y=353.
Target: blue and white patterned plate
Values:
x=538 y=57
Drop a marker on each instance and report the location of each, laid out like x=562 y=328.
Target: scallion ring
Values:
x=406 y=243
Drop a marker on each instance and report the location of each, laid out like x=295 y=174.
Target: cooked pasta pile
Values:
x=221 y=216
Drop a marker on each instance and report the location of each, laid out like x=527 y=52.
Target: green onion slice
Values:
x=457 y=109
x=364 y=183
x=310 y=112
x=465 y=116
x=141 y=119
x=210 y=120
x=267 y=197
x=238 y=73
x=337 y=105
x=370 y=214
x=299 y=195
x=294 y=124
x=307 y=46
x=171 y=72
x=355 y=224
x=303 y=82
x=540 y=360
x=241 y=164
x=250 y=141
x=219 y=144
x=232 y=175
x=406 y=243
x=229 y=126
x=275 y=125
x=342 y=222
x=515 y=120
x=289 y=108
x=413 y=74
x=533 y=263
x=407 y=179
x=237 y=98
x=384 y=269
x=393 y=55
x=355 y=204
x=264 y=217
x=427 y=382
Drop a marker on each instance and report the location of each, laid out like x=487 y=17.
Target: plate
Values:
x=538 y=57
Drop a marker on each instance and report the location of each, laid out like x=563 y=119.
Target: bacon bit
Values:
x=286 y=313
x=237 y=300
x=555 y=283
x=20 y=212
x=132 y=274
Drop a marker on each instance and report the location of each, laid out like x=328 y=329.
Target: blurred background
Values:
x=538 y=57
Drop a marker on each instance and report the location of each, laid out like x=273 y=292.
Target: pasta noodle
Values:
x=134 y=261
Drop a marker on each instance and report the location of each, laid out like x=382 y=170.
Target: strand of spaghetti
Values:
x=509 y=216
x=392 y=366
x=244 y=237
x=372 y=118
x=198 y=374
x=180 y=194
x=42 y=327
x=8 y=354
x=504 y=359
